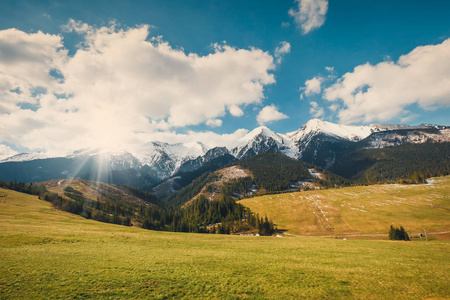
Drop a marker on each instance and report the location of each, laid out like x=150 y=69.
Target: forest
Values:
x=274 y=171
x=408 y=163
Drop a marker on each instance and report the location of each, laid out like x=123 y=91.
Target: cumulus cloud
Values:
x=26 y=62
x=313 y=86
x=310 y=14
x=281 y=50
x=235 y=111
x=119 y=86
x=383 y=91
x=269 y=114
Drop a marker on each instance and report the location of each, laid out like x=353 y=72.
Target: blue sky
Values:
x=370 y=36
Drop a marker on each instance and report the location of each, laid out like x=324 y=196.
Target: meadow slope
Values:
x=46 y=253
x=359 y=210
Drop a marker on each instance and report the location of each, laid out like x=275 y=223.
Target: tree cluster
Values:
x=237 y=186
x=398 y=234
x=223 y=216
x=26 y=188
x=144 y=195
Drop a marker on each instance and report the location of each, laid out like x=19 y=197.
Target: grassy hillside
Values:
x=47 y=253
x=359 y=210
x=91 y=190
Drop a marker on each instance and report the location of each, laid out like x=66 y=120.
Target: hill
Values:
x=94 y=191
x=262 y=173
x=359 y=210
x=47 y=253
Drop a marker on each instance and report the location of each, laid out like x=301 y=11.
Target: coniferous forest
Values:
x=274 y=171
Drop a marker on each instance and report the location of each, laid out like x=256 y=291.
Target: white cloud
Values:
x=6 y=152
x=214 y=122
x=235 y=111
x=281 y=50
x=316 y=111
x=333 y=107
x=313 y=86
x=121 y=86
x=382 y=92
x=310 y=14
x=269 y=114
x=26 y=61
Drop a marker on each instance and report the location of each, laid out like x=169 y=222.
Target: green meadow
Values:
x=360 y=210
x=46 y=253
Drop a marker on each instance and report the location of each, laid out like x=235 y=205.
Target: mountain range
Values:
x=317 y=142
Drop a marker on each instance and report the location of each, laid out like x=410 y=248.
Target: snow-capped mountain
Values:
x=164 y=159
x=260 y=140
x=200 y=161
x=395 y=138
x=26 y=156
x=347 y=132
x=318 y=142
x=114 y=159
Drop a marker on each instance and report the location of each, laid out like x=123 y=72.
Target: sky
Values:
x=78 y=74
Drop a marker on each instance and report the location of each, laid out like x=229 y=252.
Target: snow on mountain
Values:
x=27 y=156
x=260 y=140
x=200 y=161
x=180 y=152
x=413 y=136
x=348 y=132
x=165 y=159
x=116 y=159
x=317 y=140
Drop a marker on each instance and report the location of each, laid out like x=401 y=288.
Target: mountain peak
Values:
x=261 y=130
x=26 y=156
x=349 y=132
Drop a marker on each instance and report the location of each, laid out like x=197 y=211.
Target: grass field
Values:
x=47 y=253
x=359 y=210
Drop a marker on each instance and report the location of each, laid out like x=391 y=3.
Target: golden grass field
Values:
x=49 y=254
x=360 y=210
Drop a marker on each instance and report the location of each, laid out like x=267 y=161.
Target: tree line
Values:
x=222 y=216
